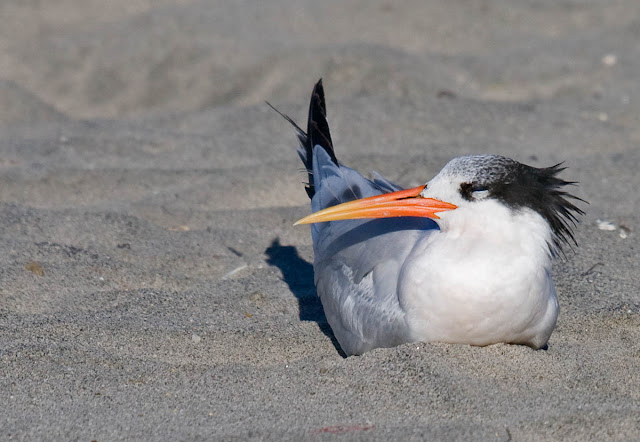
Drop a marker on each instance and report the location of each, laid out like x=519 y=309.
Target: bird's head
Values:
x=472 y=188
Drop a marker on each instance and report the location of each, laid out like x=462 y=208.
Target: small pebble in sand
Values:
x=609 y=60
x=234 y=272
x=180 y=228
x=605 y=225
x=624 y=231
x=195 y=339
x=34 y=268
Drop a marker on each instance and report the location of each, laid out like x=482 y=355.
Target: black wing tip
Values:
x=318 y=132
x=317 y=96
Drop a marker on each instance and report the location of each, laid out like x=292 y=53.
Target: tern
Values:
x=465 y=258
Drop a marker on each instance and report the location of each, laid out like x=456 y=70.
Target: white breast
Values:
x=481 y=285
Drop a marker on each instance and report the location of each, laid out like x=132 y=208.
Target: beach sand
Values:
x=152 y=286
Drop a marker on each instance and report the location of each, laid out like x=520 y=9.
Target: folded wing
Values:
x=357 y=262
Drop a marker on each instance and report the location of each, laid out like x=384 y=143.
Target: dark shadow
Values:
x=298 y=274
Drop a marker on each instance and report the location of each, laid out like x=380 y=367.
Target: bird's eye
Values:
x=473 y=191
x=480 y=193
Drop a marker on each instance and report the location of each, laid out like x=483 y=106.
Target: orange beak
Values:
x=402 y=203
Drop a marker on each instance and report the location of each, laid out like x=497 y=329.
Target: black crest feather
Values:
x=518 y=185
x=540 y=189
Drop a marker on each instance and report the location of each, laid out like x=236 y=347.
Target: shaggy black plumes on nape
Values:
x=317 y=133
x=541 y=190
x=517 y=186
x=556 y=207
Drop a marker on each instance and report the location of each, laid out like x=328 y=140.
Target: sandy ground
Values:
x=152 y=286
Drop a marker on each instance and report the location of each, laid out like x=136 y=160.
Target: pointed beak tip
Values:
x=304 y=220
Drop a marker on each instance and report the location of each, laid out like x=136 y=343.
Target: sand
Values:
x=152 y=286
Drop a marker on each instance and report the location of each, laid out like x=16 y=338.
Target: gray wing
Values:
x=357 y=262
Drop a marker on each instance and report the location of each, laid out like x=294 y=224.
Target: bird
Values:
x=464 y=259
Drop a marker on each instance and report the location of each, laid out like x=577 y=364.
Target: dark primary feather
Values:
x=317 y=125
x=317 y=134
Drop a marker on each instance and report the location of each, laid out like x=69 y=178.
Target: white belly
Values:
x=478 y=295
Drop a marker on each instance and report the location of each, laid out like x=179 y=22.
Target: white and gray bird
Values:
x=465 y=258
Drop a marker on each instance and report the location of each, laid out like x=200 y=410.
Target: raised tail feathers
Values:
x=317 y=134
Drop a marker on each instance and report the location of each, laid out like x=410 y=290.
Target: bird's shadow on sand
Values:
x=298 y=274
